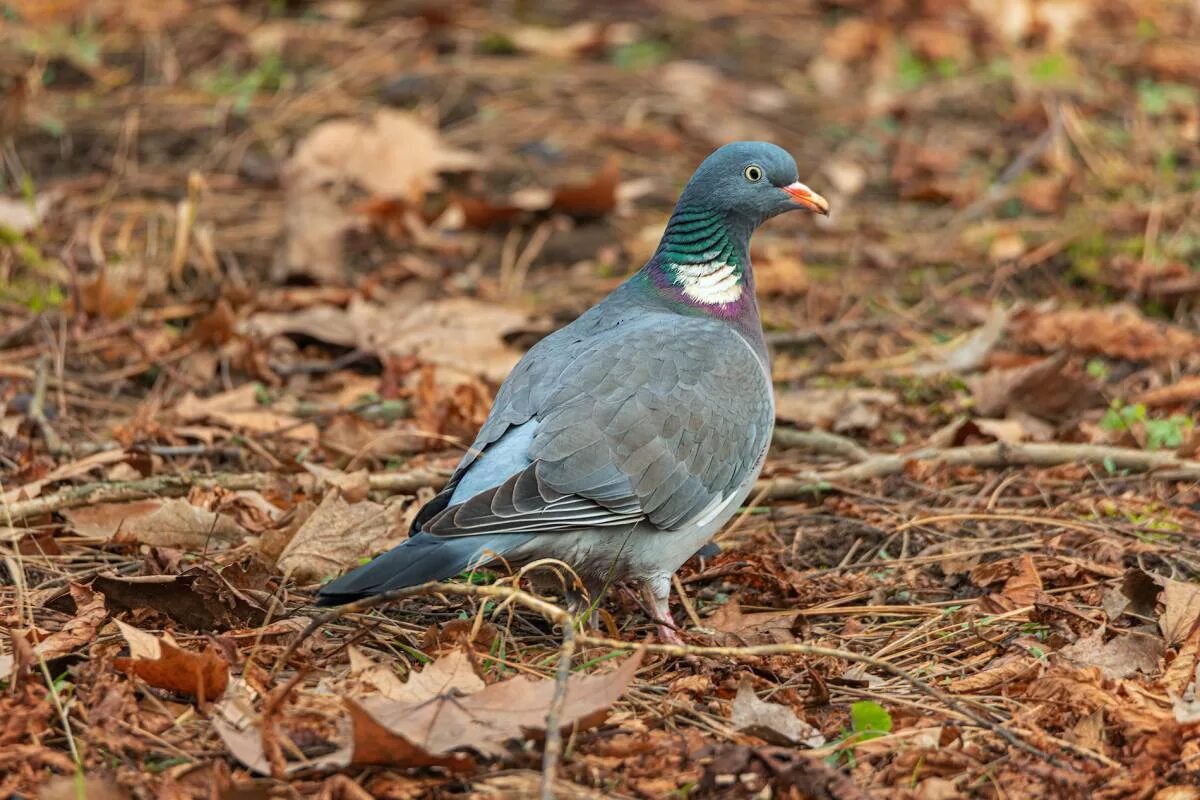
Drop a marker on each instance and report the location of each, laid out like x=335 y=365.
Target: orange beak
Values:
x=807 y=198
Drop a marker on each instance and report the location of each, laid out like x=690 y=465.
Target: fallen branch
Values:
x=553 y=747
x=818 y=441
x=179 y=485
x=1020 y=454
x=997 y=454
x=562 y=618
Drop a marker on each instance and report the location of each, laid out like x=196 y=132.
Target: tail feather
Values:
x=423 y=557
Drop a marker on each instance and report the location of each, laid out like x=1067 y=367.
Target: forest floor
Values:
x=264 y=265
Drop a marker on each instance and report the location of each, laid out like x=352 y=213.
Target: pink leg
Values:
x=657 y=592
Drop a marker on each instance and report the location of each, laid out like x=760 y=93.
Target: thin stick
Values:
x=998 y=454
x=553 y=747
x=180 y=485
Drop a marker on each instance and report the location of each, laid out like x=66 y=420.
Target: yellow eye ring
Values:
x=753 y=173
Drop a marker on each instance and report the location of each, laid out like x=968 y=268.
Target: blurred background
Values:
x=305 y=241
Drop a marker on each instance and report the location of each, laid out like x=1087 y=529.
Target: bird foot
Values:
x=667 y=634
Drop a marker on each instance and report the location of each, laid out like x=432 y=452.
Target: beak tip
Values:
x=807 y=198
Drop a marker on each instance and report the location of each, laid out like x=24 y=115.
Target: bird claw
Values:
x=668 y=635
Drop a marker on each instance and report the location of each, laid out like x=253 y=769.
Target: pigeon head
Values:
x=750 y=181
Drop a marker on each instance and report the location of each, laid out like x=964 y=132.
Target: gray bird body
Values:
x=620 y=444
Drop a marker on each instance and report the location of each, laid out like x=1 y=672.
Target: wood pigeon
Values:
x=621 y=443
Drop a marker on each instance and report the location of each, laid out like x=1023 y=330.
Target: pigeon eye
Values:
x=753 y=173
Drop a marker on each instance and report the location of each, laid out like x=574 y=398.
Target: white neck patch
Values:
x=711 y=283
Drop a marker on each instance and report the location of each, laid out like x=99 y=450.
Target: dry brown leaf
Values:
x=460 y=334
x=353 y=486
x=452 y=673
x=1020 y=589
x=572 y=40
x=593 y=199
x=1117 y=332
x=834 y=409
x=337 y=536
x=366 y=153
x=771 y=722
x=240 y=410
x=1124 y=655
x=774 y=627
x=198 y=598
x=164 y=666
x=1050 y=388
x=1184 y=391
x=515 y=708
x=72 y=787
x=1181 y=609
x=240 y=728
x=20 y=215
x=90 y=613
x=108 y=297
x=173 y=522
x=340 y=155
x=375 y=744
x=1004 y=670
x=780 y=275
x=1176 y=60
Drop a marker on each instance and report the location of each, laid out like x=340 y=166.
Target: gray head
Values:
x=751 y=180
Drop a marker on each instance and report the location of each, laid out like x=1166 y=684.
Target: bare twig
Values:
x=823 y=442
x=553 y=747
x=1004 y=454
x=180 y=485
x=998 y=454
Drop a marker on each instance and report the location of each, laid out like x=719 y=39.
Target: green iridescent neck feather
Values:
x=703 y=263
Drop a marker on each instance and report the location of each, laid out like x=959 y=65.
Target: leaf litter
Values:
x=242 y=345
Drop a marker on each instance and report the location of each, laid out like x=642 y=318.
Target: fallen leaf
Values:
x=773 y=627
x=90 y=613
x=516 y=708
x=1117 y=332
x=834 y=409
x=343 y=153
x=74 y=787
x=460 y=334
x=173 y=522
x=337 y=536
x=1020 y=589
x=365 y=153
x=780 y=274
x=771 y=722
x=375 y=744
x=593 y=199
x=108 y=297
x=1176 y=60
x=240 y=728
x=572 y=40
x=1121 y=657
x=1183 y=392
x=20 y=215
x=1050 y=388
x=1003 y=670
x=198 y=598
x=353 y=486
x=1181 y=609
x=240 y=410
x=164 y=666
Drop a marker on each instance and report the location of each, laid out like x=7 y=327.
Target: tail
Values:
x=421 y=558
